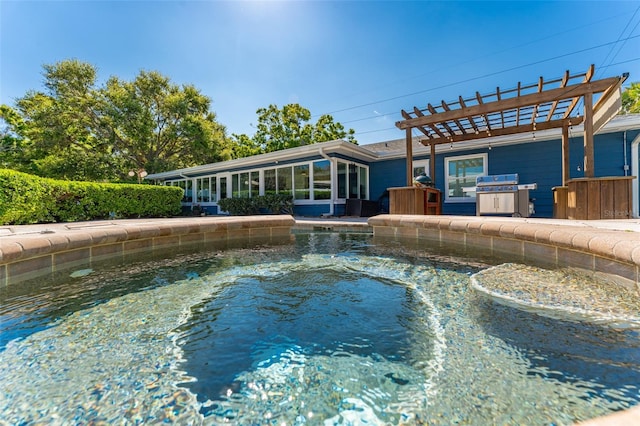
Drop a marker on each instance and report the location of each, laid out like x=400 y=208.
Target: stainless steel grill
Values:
x=501 y=194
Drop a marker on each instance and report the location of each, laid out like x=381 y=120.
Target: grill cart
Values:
x=501 y=194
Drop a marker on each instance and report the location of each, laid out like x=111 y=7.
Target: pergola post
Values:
x=565 y=153
x=409 y=157
x=589 y=169
x=432 y=164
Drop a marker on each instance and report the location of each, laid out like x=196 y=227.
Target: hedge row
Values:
x=264 y=204
x=27 y=199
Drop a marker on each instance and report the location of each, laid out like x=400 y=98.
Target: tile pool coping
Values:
x=30 y=251
x=613 y=247
x=608 y=247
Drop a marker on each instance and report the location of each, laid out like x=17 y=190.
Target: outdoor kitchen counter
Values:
x=600 y=198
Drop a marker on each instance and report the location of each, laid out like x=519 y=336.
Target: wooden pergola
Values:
x=547 y=104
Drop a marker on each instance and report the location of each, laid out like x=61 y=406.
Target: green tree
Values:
x=326 y=129
x=64 y=126
x=288 y=127
x=77 y=130
x=284 y=128
x=244 y=146
x=158 y=126
x=631 y=99
x=12 y=144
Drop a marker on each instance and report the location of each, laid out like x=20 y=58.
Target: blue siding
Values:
x=386 y=174
x=311 y=210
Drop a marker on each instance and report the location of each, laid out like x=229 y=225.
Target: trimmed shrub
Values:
x=267 y=204
x=27 y=199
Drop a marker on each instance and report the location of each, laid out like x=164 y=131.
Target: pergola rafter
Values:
x=544 y=105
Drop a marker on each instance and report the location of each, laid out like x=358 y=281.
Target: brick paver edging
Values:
x=36 y=250
x=614 y=252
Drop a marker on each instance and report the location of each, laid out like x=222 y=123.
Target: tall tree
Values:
x=12 y=144
x=157 y=125
x=76 y=130
x=64 y=126
x=283 y=128
x=244 y=146
x=289 y=127
x=631 y=99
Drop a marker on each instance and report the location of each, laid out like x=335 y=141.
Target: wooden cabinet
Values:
x=415 y=200
x=600 y=198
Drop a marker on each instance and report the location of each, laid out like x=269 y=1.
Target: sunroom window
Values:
x=322 y=180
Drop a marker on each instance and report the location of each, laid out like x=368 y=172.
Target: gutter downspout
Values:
x=331 y=171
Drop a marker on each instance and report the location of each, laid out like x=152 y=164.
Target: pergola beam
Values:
x=557 y=94
x=565 y=80
x=444 y=124
x=471 y=120
x=523 y=128
x=445 y=106
x=422 y=129
x=419 y=113
x=574 y=102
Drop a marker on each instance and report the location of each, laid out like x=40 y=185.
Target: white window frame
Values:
x=228 y=187
x=347 y=163
x=447 y=160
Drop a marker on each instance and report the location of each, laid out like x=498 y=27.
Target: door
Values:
x=223 y=190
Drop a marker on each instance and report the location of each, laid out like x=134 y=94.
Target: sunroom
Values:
x=320 y=177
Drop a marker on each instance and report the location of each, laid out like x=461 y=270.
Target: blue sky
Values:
x=360 y=61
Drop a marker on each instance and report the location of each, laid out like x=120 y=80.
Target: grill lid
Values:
x=507 y=179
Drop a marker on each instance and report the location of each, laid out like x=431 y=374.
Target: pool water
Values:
x=334 y=329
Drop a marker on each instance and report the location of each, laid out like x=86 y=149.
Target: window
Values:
x=223 y=188
x=352 y=181
x=362 y=184
x=203 y=188
x=186 y=188
x=322 y=180
x=214 y=194
x=244 y=185
x=342 y=180
x=461 y=176
x=254 y=184
x=270 y=181
x=284 y=180
x=235 y=185
x=301 y=182
x=305 y=181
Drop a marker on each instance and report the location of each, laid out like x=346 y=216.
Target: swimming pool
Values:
x=335 y=329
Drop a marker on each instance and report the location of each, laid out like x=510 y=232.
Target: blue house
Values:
x=322 y=177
